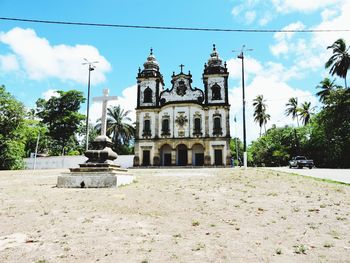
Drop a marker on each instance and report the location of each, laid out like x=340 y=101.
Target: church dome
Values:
x=151 y=63
x=214 y=60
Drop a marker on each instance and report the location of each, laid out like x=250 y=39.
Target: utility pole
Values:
x=36 y=150
x=91 y=68
x=241 y=56
x=237 y=154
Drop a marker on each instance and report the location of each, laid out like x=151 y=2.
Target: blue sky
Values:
x=36 y=59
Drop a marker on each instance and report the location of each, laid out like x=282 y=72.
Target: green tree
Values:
x=236 y=147
x=305 y=112
x=277 y=146
x=326 y=85
x=61 y=116
x=119 y=129
x=265 y=117
x=32 y=129
x=339 y=62
x=93 y=133
x=12 y=114
x=292 y=108
x=334 y=121
x=260 y=115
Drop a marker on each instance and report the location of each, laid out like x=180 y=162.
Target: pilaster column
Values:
x=173 y=156
x=206 y=112
x=189 y=157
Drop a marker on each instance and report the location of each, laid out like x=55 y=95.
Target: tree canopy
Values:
x=62 y=118
x=12 y=114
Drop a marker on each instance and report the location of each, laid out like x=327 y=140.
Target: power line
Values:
x=175 y=28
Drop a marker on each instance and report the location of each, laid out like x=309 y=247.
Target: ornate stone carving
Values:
x=181 y=120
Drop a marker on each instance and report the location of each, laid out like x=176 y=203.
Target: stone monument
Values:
x=99 y=171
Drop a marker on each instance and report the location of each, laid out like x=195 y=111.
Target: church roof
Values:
x=214 y=65
x=181 y=90
x=151 y=62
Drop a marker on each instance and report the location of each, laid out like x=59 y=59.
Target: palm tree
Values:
x=259 y=110
x=118 y=127
x=266 y=117
x=292 y=108
x=326 y=85
x=339 y=62
x=305 y=112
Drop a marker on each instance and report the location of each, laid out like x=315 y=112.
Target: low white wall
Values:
x=59 y=162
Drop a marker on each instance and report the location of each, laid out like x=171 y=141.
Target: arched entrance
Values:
x=165 y=155
x=198 y=155
x=181 y=155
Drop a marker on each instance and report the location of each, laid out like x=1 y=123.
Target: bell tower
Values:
x=215 y=77
x=149 y=83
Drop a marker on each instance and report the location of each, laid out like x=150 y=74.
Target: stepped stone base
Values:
x=95 y=177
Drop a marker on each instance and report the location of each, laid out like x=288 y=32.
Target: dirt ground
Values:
x=192 y=215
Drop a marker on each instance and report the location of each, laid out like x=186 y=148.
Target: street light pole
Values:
x=241 y=56
x=91 y=68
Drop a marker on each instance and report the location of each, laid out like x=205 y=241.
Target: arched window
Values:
x=197 y=124
x=216 y=92
x=146 y=128
x=147 y=95
x=165 y=127
x=217 y=130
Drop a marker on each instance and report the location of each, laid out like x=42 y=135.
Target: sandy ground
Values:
x=192 y=215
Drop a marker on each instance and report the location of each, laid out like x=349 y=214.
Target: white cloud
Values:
x=284 y=43
x=249 y=16
x=127 y=101
x=288 y=6
x=270 y=80
x=328 y=14
x=41 y=60
x=276 y=93
x=237 y=10
x=8 y=62
x=265 y=19
x=251 y=65
x=49 y=93
x=341 y=21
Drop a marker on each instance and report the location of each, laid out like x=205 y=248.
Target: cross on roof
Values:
x=181 y=66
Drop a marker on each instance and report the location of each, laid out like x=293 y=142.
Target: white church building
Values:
x=182 y=126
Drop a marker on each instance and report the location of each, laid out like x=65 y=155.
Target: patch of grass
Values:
x=317 y=179
x=341 y=218
x=195 y=223
x=334 y=234
x=314 y=210
x=328 y=245
x=278 y=251
x=296 y=209
x=272 y=194
x=312 y=226
x=177 y=235
x=300 y=249
x=198 y=247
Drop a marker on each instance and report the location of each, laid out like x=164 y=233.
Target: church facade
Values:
x=182 y=126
